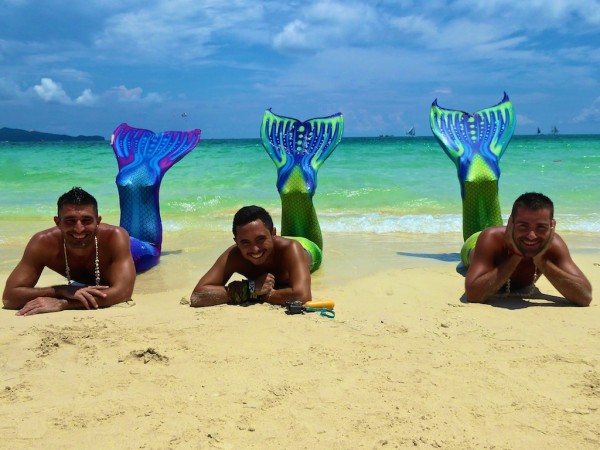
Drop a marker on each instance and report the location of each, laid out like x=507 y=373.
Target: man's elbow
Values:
x=200 y=298
x=10 y=303
x=474 y=297
x=583 y=301
x=7 y=304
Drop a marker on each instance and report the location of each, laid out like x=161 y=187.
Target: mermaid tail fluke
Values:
x=475 y=143
x=466 y=138
x=135 y=146
x=298 y=150
x=143 y=158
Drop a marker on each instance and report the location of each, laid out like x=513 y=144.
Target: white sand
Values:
x=404 y=364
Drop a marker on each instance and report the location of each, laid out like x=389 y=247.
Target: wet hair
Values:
x=249 y=214
x=533 y=201
x=77 y=196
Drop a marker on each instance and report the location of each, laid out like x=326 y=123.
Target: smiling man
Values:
x=513 y=257
x=277 y=269
x=95 y=255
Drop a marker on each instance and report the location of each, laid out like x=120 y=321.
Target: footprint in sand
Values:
x=150 y=355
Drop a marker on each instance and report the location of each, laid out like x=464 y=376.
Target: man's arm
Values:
x=19 y=288
x=210 y=289
x=484 y=278
x=121 y=273
x=20 y=293
x=296 y=261
x=559 y=268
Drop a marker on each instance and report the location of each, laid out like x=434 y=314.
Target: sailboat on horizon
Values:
x=411 y=132
x=554 y=130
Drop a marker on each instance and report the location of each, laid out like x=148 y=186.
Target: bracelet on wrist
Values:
x=252 y=289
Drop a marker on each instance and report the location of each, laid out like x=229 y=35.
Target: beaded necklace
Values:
x=96 y=264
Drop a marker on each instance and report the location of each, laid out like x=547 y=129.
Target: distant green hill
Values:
x=15 y=135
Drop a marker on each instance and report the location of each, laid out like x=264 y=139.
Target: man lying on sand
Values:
x=514 y=256
x=277 y=269
x=97 y=255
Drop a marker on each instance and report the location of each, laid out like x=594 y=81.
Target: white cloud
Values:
x=170 y=30
x=9 y=89
x=86 y=98
x=50 y=91
x=328 y=23
x=74 y=74
x=591 y=114
x=133 y=95
x=524 y=120
x=535 y=14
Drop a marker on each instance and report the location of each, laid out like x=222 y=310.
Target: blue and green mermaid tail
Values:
x=298 y=150
x=144 y=158
x=475 y=143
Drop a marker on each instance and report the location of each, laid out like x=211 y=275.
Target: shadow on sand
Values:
x=523 y=299
x=447 y=257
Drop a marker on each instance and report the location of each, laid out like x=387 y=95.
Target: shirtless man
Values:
x=277 y=269
x=516 y=255
x=97 y=256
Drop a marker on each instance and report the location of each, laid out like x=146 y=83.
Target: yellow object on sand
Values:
x=327 y=304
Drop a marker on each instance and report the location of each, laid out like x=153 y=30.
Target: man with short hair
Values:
x=495 y=256
x=81 y=248
x=277 y=269
x=514 y=256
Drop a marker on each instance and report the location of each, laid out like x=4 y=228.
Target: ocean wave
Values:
x=432 y=224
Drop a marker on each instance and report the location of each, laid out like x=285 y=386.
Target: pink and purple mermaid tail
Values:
x=143 y=158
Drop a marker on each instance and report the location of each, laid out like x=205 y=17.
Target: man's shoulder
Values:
x=284 y=244
x=111 y=228
x=47 y=236
x=282 y=241
x=494 y=231
x=108 y=230
x=491 y=239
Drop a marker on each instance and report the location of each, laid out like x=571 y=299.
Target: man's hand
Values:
x=42 y=305
x=86 y=295
x=540 y=259
x=509 y=241
x=264 y=284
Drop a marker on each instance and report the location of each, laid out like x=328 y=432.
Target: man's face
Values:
x=532 y=229
x=255 y=242
x=78 y=223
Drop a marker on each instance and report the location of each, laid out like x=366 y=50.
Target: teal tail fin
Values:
x=475 y=143
x=298 y=150
x=300 y=147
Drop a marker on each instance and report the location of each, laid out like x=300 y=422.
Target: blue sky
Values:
x=85 y=67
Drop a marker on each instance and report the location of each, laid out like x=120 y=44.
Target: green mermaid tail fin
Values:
x=298 y=150
x=475 y=143
x=463 y=136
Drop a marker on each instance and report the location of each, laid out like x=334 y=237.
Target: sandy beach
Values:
x=404 y=364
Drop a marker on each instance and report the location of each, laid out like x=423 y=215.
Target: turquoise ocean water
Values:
x=368 y=185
